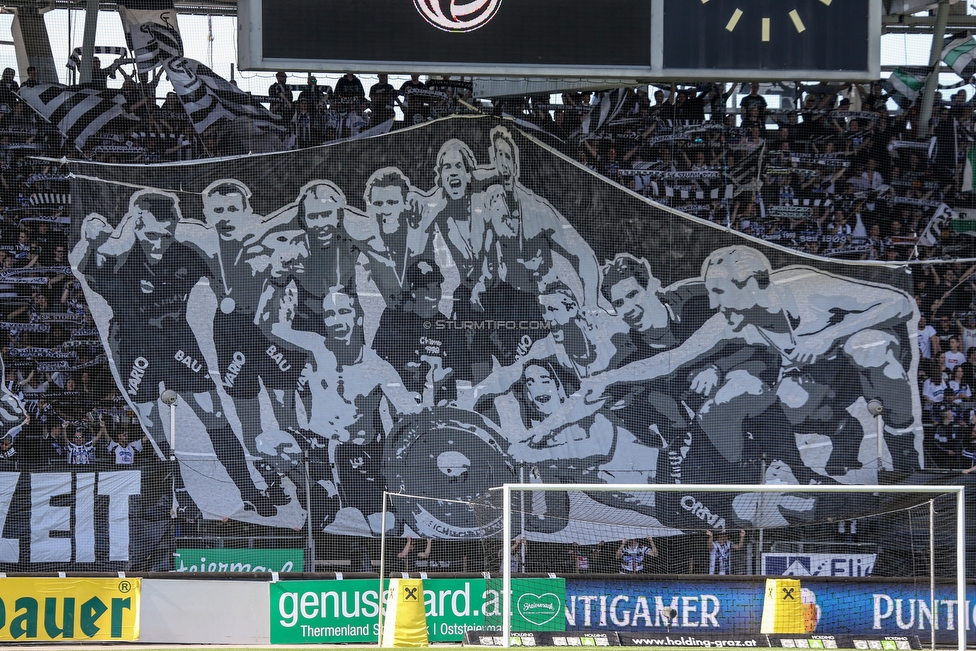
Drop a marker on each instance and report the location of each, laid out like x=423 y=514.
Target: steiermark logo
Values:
x=456 y=15
x=539 y=609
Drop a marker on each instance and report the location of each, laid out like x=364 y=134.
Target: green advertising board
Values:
x=315 y=612
x=239 y=560
x=537 y=604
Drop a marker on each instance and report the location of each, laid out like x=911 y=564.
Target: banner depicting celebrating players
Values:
x=447 y=308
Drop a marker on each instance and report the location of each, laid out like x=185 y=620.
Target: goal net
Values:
x=871 y=560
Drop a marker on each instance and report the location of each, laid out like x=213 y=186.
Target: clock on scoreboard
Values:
x=774 y=35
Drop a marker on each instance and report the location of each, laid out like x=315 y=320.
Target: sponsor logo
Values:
x=278 y=358
x=702 y=512
x=234 y=369
x=139 y=367
x=461 y=16
x=187 y=361
x=539 y=608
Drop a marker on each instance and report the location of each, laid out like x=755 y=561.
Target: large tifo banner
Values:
x=447 y=308
x=36 y=610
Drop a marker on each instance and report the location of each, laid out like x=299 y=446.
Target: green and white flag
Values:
x=967 y=177
x=905 y=84
x=959 y=53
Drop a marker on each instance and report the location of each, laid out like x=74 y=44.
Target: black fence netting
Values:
x=212 y=355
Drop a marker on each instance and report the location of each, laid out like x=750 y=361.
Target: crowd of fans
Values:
x=838 y=176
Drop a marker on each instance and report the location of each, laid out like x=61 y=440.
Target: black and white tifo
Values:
x=446 y=308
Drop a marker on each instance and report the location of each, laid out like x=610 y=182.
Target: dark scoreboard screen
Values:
x=683 y=40
x=519 y=32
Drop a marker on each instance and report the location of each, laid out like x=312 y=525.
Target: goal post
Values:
x=954 y=493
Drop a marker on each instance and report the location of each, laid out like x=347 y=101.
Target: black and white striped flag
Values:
x=74 y=61
x=151 y=31
x=208 y=98
x=79 y=113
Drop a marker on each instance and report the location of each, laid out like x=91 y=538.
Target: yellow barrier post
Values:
x=782 y=607
x=405 y=622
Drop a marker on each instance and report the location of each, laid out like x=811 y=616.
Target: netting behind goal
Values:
x=578 y=559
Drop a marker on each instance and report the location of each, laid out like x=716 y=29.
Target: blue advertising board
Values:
x=736 y=607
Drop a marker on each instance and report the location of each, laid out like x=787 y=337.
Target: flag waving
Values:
x=79 y=113
x=151 y=31
x=209 y=98
x=959 y=53
x=905 y=84
x=968 y=176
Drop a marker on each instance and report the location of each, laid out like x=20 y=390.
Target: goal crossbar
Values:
x=507 y=490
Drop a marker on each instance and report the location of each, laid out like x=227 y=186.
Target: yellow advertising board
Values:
x=69 y=609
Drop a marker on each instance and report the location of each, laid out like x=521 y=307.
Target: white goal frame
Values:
x=959 y=492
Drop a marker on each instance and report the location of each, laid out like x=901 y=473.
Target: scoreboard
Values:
x=613 y=39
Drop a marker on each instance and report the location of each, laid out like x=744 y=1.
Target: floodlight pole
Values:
x=172 y=431
x=170 y=398
x=875 y=408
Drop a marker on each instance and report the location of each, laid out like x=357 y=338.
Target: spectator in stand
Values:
x=944 y=329
x=693 y=109
x=949 y=301
x=306 y=126
x=31 y=80
x=969 y=367
x=8 y=453
x=663 y=108
x=720 y=551
x=414 y=107
x=717 y=100
x=282 y=100
x=879 y=246
x=411 y=558
x=754 y=100
x=349 y=86
x=928 y=337
x=350 y=103
x=752 y=117
x=954 y=356
x=313 y=95
x=382 y=100
x=8 y=87
x=80 y=447
x=840 y=231
x=949 y=437
x=933 y=388
x=961 y=391
x=587 y=558
x=124 y=451
x=871 y=177
x=874 y=100
x=632 y=554
x=100 y=75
